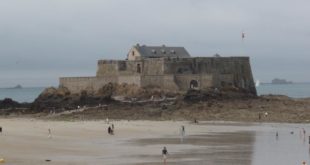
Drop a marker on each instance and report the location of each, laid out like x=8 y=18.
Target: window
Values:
x=133 y=53
x=138 y=68
x=163 y=51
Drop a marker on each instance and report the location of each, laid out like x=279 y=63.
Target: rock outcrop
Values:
x=58 y=99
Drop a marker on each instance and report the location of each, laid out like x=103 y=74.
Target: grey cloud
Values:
x=62 y=38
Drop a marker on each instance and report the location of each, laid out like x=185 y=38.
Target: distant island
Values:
x=17 y=87
x=280 y=81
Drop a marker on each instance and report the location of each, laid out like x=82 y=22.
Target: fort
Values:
x=168 y=68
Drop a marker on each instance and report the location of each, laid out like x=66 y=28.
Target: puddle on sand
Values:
x=217 y=148
x=256 y=147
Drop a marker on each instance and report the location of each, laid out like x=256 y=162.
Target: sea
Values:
x=26 y=94
x=297 y=90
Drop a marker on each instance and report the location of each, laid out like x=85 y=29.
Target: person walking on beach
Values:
x=165 y=153
x=49 y=133
x=110 y=131
x=195 y=121
x=182 y=132
x=112 y=128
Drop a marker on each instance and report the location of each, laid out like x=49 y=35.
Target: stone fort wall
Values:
x=93 y=84
x=175 y=74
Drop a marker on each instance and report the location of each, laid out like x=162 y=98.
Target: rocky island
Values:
x=280 y=81
x=163 y=83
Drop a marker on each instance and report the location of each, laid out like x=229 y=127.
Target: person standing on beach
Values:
x=49 y=133
x=195 y=121
x=182 y=132
x=112 y=128
x=165 y=153
x=109 y=130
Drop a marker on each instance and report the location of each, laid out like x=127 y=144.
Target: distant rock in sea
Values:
x=281 y=81
x=17 y=87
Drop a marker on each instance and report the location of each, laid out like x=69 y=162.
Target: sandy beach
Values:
x=26 y=141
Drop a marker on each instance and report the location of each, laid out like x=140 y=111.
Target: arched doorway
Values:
x=139 y=68
x=193 y=84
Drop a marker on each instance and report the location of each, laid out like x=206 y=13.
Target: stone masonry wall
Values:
x=90 y=84
x=93 y=84
x=107 y=68
x=153 y=66
x=169 y=73
x=225 y=71
x=118 y=67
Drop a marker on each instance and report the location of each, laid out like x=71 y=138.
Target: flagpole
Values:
x=243 y=43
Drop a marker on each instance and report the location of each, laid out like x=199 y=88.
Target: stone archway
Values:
x=193 y=84
x=138 y=68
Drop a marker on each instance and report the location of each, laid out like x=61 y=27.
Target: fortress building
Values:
x=170 y=68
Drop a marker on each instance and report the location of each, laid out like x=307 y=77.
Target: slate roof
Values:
x=161 y=51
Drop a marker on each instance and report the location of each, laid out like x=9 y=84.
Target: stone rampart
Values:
x=225 y=71
x=107 y=68
x=129 y=80
x=169 y=73
x=90 y=84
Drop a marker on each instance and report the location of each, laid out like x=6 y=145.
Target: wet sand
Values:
x=26 y=141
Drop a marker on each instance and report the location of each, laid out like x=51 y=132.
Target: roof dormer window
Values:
x=153 y=51
x=163 y=51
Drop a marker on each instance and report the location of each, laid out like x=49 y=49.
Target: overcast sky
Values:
x=41 y=40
